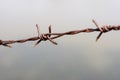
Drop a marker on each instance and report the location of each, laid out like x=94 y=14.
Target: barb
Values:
x=50 y=36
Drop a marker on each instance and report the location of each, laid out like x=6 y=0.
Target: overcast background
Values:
x=76 y=57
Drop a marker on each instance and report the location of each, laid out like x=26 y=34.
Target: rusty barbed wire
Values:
x=50 y=36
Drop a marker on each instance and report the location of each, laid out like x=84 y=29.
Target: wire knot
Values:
x=43 y=37
x=105 y=29
x=102 y=29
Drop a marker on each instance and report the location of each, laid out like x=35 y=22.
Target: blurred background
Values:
x=76 y=57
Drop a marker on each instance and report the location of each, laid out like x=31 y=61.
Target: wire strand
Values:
x=50 y=36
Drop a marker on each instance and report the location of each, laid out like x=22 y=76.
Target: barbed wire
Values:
x=50 y=36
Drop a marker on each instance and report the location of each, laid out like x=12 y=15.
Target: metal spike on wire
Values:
x=50 y=36
x=43 y=37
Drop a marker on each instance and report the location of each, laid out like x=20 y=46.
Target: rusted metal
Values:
x=50 y=36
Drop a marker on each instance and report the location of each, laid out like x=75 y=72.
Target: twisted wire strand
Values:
x=50 y=36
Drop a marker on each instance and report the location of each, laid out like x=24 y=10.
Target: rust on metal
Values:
x=50 y=36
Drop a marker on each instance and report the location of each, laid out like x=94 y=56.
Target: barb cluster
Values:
x=50 y=36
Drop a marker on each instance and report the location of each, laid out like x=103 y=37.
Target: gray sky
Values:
x=76 y=57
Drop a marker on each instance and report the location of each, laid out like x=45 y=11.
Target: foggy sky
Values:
x=76 y=57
